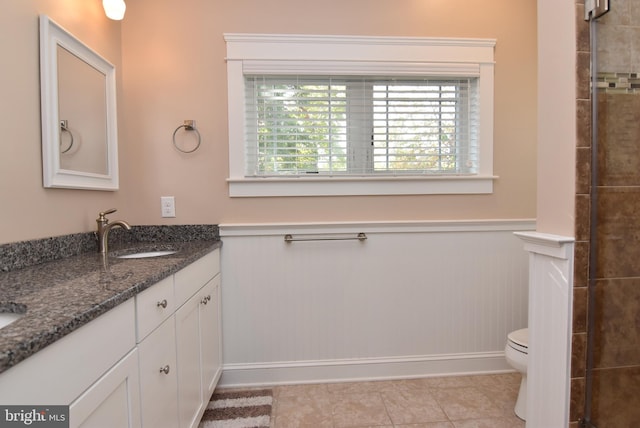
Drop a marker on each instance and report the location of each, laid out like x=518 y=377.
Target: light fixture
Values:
x=114 y=9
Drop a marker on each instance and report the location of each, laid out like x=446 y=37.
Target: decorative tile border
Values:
x=619 y=83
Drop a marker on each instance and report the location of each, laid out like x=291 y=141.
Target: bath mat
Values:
x=238 y=409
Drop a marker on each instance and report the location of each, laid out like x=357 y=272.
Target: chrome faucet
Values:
x=104 y=227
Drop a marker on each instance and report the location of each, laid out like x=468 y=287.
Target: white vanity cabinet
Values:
x=150 y=362
x=179 y=344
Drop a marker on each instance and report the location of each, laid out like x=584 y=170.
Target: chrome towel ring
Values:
x=64 y=127
x=189 y=125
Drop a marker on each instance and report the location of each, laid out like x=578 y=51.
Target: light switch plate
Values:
x=168 y=204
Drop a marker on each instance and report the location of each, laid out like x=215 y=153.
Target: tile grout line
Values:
x=386 y=409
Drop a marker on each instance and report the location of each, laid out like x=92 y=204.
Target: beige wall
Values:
x=556 y=117
x=173 y=69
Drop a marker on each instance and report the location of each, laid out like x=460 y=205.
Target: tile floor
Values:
x=444 y=402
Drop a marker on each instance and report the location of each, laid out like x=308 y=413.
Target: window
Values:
x=353 y=116
x=299 y=125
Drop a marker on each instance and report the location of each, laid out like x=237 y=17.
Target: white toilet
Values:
x=517 y=352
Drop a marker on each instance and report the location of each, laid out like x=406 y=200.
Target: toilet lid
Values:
x=520 y=337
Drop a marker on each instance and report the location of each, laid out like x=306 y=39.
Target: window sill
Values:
x=352 y=186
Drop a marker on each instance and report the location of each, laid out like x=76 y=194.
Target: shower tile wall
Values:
x=583 y=180
x=616 y=377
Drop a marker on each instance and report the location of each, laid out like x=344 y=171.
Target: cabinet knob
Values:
x=204 y=301
x=165 y=369
x=163 y=304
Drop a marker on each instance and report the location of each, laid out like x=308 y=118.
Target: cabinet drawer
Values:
x=193 y=277
x=158 y=377
x=153 y=306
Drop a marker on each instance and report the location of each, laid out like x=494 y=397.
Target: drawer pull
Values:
x=165 y=369
x=205 y=299
x=163 y=303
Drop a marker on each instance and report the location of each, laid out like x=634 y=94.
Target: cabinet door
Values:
x=190 y=398
x=198 y=352
x=210 y=336
x=112 y=401
x=158 y=379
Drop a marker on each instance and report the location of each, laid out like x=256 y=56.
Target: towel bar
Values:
x=348 y=237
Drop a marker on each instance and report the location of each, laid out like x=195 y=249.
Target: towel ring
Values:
x=65 y=128
x=189 y=125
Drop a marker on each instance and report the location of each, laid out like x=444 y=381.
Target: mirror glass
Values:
x=79 y=131
x=82 y=110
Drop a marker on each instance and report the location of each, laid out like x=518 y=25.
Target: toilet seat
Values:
x=516 y=352
x=519 y=340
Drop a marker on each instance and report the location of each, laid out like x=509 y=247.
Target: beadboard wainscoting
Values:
x=412 y=299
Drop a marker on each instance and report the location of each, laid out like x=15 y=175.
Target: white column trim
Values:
x=550 y=328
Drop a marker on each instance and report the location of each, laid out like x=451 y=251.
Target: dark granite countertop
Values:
x=62 y=295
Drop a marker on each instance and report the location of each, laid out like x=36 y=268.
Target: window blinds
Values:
x=355 y=125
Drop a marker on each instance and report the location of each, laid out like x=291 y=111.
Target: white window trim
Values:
x=296 y=54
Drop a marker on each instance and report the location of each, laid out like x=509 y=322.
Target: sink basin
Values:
x=10 y=312
x=146 y=254
x=7 y=318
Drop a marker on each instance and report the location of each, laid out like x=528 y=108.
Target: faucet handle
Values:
x=104 y=213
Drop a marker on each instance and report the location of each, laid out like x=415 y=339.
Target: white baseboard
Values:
x=329 y=371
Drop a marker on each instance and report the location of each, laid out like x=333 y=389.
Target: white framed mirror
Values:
x=78 y=103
